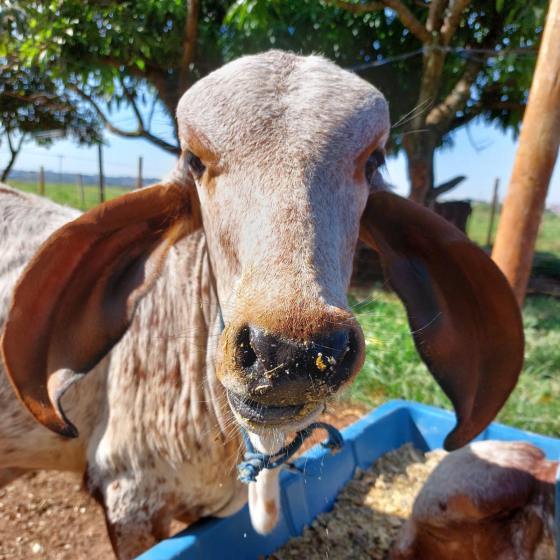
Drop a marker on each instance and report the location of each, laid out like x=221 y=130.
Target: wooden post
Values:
x=101 y=186
x=42 y=181
x=493 y=212
x=81 y=190
x=534 y=162
x=139 y=184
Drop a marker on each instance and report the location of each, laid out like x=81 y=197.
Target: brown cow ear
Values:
x=464 y=317
x=78 y=295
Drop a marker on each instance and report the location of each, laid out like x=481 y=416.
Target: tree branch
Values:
x=358 y=8
x=453 y=18
x=482 y=106
x=447 y=186
x=445 y=112
x=140 y=132
x=408 y=19
x=14 y=154
x=132 y=102
x=435 y=15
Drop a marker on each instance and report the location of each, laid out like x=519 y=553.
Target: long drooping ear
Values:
x=465 y=320
x=77 y=296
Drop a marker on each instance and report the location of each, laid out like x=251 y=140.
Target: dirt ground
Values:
x=48 y=515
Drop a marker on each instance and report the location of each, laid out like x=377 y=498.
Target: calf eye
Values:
x=197 y=167
x=378 y=158
x=375 y=161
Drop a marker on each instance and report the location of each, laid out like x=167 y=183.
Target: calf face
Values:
x=274 y=150
x=283 y=264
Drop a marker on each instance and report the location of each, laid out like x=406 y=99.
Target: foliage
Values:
x=34 y=104
x=366 y=37
x=439 y=63
x=36 y=107
x=117 y=53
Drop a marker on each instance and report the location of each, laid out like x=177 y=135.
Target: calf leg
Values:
x=136 y=516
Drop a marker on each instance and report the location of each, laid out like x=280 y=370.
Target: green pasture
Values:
x=393 y=369
x=69 y=195
x=548 y=241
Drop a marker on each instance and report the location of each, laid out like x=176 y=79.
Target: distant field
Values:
x=69 y=194
x=547 y=242
x=393 y=369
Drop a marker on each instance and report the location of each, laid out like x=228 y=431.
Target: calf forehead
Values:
x=283 y=101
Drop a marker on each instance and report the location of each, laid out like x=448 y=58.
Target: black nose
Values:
x=281 y=371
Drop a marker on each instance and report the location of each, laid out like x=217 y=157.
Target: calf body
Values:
x=156 y=436
x=492 y=500
x=259 y=220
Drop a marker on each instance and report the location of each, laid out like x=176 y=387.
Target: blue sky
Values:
x=482 y=153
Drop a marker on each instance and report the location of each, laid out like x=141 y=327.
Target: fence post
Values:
x=101 y=186
x=81 y=190
x=42 y=181
x=493 y=212
x=139 y=184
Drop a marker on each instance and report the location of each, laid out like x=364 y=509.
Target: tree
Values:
x=441 y=63
x=34 y=108
x=115 y=53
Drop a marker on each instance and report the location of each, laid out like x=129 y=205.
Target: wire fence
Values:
x=84 y=192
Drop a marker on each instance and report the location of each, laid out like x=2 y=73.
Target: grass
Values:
x=547 y=242
x=69 y=194
x=393 y=369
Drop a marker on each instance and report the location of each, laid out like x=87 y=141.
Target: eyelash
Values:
x=196 y=165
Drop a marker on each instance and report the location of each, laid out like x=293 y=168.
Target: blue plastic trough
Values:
x=304 y=496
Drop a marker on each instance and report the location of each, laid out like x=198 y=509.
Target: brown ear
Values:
x=77 y=296
x=465 y=319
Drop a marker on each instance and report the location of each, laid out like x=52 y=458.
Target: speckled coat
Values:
x=154 y=435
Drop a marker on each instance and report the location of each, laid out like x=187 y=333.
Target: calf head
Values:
x=492 y=500
x=274 y=149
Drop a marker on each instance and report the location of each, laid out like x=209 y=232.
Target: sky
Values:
x=480 y=152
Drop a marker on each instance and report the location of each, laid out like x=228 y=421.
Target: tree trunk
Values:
x=536 y=155
x=420 y=140
x=6 y=171
x=420 y=148
x=14 y=153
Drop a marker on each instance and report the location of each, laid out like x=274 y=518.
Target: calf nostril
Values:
x=246 y=356
x=331 y=351
x=278 y=369
x=268 y=353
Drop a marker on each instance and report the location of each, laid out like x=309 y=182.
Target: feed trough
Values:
x=306 y=494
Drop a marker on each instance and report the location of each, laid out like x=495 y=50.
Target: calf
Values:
x=456 y=212
x=492 y=500
x=255 y=230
